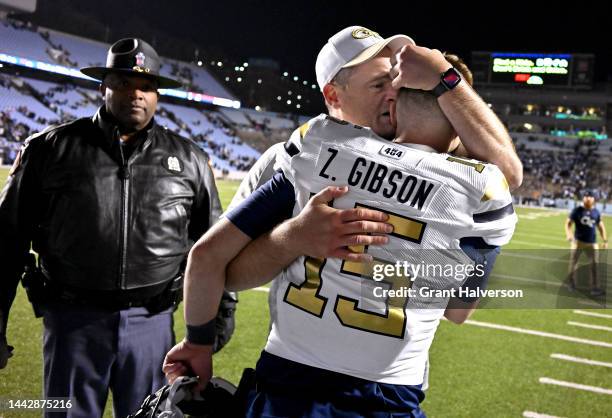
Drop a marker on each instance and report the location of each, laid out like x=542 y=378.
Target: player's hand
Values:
x=604 y=245
x=322 y=231
x=6 y=352
x=417 y=67
x=187 y=359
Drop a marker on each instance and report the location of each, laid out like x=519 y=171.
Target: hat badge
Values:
x=140 y=59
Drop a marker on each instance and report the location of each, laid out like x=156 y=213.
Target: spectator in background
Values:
x=586 y=219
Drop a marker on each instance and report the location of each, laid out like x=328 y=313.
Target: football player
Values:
x=322 y=358
x=586 y=218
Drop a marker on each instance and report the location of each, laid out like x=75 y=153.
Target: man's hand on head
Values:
x=417 y=67
x=322 y=231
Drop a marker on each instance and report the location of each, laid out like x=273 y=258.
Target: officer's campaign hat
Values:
x=132 y=56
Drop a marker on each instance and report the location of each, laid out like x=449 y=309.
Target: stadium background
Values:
x=236 y=104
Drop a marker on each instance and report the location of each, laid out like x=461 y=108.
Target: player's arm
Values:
x=493 y=224
x=206 y=266
x=205 y=275
x=481 y=132
x=603 y=234
x=203 y=287
x=318 y=231
x=568 y=229
x=484 y=255
x=458 y=311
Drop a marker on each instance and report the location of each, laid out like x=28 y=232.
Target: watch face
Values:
x=451 y=78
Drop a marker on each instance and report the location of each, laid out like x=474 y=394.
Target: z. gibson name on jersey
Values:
x=375 y=177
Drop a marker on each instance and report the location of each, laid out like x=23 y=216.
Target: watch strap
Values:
x=444 y=85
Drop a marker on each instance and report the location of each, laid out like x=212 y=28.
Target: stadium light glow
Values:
x=74 y=73
x=314 y=86
x=289 y=102
x=285 y=74
x=245 y=64
x=199 y=63
x=295 y=78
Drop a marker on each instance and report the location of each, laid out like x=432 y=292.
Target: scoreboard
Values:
x=533 y=69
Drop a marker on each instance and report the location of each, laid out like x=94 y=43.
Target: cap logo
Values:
x=363 y=33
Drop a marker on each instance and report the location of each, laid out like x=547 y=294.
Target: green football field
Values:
x=501 y=363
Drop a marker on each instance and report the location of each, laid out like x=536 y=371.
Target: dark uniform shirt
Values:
x=586 y=220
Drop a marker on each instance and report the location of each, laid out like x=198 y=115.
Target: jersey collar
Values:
x=420 y=147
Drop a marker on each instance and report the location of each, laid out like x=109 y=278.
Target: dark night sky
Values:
x=292 y=32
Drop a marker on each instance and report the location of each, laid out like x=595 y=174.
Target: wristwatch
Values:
x=448 y=81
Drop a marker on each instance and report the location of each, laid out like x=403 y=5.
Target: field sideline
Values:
x=504 y=362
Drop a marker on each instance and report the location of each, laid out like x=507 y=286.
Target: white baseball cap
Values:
x=352 y=46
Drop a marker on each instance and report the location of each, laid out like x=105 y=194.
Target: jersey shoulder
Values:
x=479 y=177
x=328 y=128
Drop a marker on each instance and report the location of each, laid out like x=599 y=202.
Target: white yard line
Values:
x=595 y=305
x=589 y=326
x=511 y=253
x=531 y=414
x=595 y=314
x=596 y=389
x=515 y=241
x=519 y=278
x=542 y=236
x=580 y=360
x=539 y=333
x=262 y=289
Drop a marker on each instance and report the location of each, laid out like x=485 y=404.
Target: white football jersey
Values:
x=325 y=312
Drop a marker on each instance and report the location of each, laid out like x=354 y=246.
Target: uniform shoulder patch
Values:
x=303 y=129
x=342 y=122
x=479 y=166
x=172 y=164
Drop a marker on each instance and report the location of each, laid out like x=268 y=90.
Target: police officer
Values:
x=111 y=204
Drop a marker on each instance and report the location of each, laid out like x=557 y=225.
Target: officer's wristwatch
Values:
x=448 y=81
